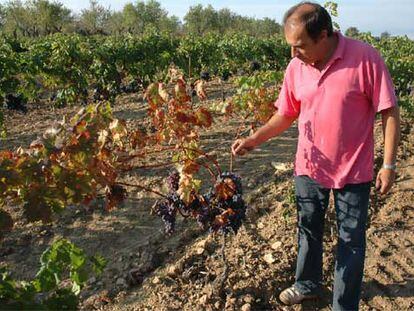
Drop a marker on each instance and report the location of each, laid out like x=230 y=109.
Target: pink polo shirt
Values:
x=336 y=110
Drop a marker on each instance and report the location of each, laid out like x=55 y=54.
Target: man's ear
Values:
x=323 y=35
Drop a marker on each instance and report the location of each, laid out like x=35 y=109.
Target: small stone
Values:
x=203 y=300
x=217 y=305
x=172 y=270
x=279 y=166
x=202 y=244
x=135 y=277
x=276 y=245
x=238 y=251
x=246 y=307
x=230 y=302
x=248 y=299
x=260 y=225
x=120 y=282
x=92 y=280
x=156 y=280
x=269 y=258
x=200 y=251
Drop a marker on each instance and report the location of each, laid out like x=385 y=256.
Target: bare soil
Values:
x=148 y=271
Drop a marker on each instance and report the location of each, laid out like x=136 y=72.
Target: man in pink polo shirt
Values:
x=334 y=86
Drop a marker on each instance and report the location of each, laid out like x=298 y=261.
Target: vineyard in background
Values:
x=73 y=69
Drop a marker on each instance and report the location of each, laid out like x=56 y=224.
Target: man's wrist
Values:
x=392 y=167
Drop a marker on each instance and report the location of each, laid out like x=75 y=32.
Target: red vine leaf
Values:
x=204 y=117
x=225 y=189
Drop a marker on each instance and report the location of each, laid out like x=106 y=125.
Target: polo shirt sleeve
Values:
x=287 y=104
x=382 y=88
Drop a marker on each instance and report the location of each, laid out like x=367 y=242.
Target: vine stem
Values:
x=142 y=188
x=142 y=154
x=206 y=156
x=231 y=153
x=223 y=277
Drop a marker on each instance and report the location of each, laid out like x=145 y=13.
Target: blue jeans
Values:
x=351 y=206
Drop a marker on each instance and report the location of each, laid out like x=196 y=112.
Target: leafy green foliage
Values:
x=332 y=8
x=254 y=98
x=64 y=270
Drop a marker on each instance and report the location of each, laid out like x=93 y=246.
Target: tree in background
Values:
x=143 y=16
x=35 y=18
x=16 y=19
x=94 y=20
x=352 y=32
x=385 y=35
x=200 y=20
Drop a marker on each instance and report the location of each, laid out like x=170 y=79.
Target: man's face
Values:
x=302 y=46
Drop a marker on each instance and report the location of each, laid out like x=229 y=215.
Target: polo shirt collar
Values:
x=340 y=49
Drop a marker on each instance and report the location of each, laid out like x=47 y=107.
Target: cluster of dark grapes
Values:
x=212 y=211
x=173 y=181
x=254 y=66
x=205 y=75
x=167 y=210
x=16 y=102
x=234 y=206
x=100 y=93
x=134 y=86
x=225 y=75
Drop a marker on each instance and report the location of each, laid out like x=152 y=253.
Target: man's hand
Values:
x=242 y=146
x=385 y=180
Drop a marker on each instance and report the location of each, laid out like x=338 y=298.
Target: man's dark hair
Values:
x=315 y=21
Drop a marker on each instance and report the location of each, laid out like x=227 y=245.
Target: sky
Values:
x=376 y=16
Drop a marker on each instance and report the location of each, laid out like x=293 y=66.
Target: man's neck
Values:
x=330 y=50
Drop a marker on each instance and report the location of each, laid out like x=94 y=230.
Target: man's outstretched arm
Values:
x=275 y=126
x=391 y=131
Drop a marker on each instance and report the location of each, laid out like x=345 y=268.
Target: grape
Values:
x=132 y=87
x=205 y=75
x=167 y=213
x=225 y=75
x=16 y=102
x=167 y=210
x=194 y=206
x=173 y=181
x=254 y=66
x=203 y=217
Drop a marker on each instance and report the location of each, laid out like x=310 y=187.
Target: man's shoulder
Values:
x=357 y=47
x=294 y=64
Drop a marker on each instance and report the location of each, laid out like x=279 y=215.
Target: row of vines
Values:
x=67 y=67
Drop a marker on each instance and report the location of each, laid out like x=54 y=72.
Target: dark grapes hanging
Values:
x=222 y=209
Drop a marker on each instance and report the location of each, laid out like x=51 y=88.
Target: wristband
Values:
x=392 y=167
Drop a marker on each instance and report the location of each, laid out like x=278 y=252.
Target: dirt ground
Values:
x=148 y=271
